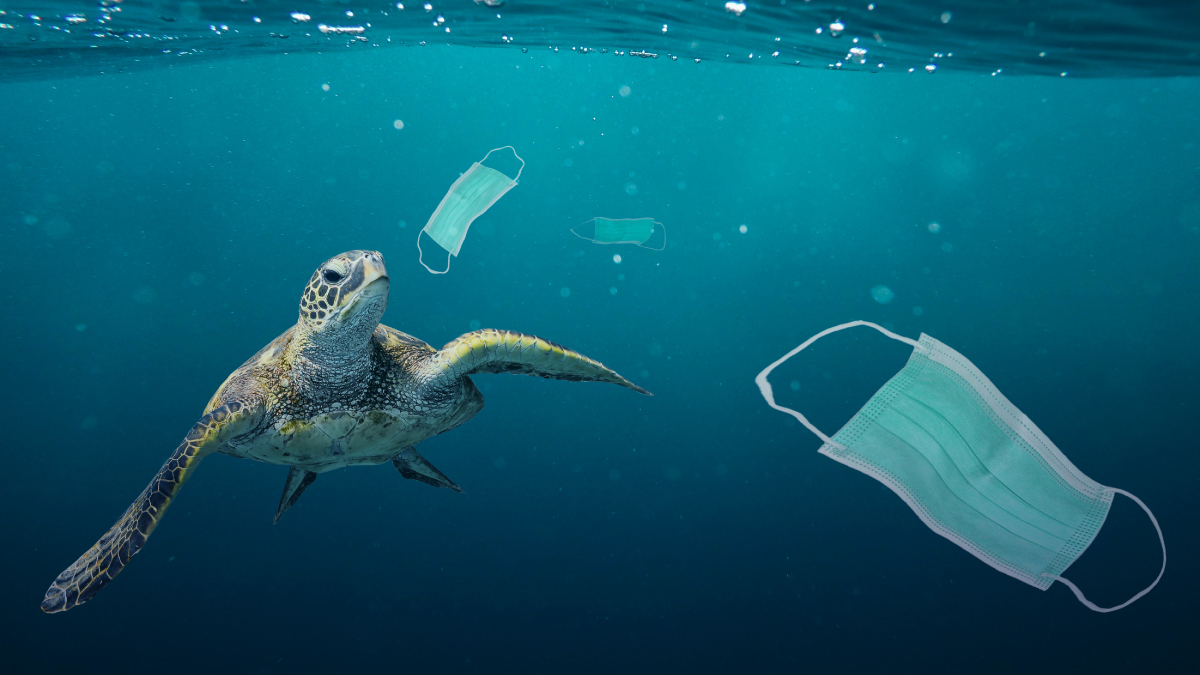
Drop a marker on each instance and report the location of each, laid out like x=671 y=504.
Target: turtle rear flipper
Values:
x=297 y=481
x=504 y=351
x=107 y=557
x=413 y=466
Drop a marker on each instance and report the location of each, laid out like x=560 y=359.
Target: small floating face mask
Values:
x=974 y=468
x=468 y=198
x=623 y=231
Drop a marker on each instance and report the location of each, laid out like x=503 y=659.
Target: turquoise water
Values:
x=158 y=226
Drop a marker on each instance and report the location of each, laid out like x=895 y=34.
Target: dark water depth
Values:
x=156 y=229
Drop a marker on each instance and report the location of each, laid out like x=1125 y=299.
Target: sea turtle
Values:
x=336 y=389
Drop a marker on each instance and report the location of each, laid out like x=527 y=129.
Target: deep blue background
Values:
x=175 y=216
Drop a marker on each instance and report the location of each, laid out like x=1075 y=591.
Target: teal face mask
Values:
x=468 y=198
x=623 y=231
x=972 y=466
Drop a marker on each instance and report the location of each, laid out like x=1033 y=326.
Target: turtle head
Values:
x=346 y=296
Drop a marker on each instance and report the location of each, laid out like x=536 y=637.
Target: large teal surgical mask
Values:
x=972 y=466
x=468 y=198
x=623 y=231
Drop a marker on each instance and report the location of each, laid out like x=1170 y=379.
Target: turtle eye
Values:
x=332 y=277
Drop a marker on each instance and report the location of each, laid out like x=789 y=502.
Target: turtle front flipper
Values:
x=107 y=557
x=502 y=351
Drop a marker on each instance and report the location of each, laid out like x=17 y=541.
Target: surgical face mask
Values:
x=623 y=231
x=972 y=466
x=468 y=198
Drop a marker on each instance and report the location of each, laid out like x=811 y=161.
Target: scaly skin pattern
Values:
x=503 y=351
x=337 y=389
x=107 y=557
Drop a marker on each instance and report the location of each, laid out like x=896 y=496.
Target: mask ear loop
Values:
x=590 y=220
x=664 y=230
x=514 y=150
x=1104 y=610
x=764 y=387
x=421 y=256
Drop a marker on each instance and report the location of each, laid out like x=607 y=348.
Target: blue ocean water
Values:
x=158 y=225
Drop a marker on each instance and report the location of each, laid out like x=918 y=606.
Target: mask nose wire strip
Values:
x=1091 y=605
x=764 y=387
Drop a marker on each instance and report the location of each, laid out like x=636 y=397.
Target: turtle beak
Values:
x=374 y=271
x=374 y=284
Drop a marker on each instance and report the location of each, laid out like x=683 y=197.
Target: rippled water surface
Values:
x=1053 y=37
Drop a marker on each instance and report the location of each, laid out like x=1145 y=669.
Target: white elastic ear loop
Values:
x=514 y=155
x=572 y=230
x=765 y=387
x=1091 y=605
x=421 y=257
x=651 y=248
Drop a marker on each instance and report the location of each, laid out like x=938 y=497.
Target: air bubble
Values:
x=565 y=292
x=882 y=294
x=617 y=258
